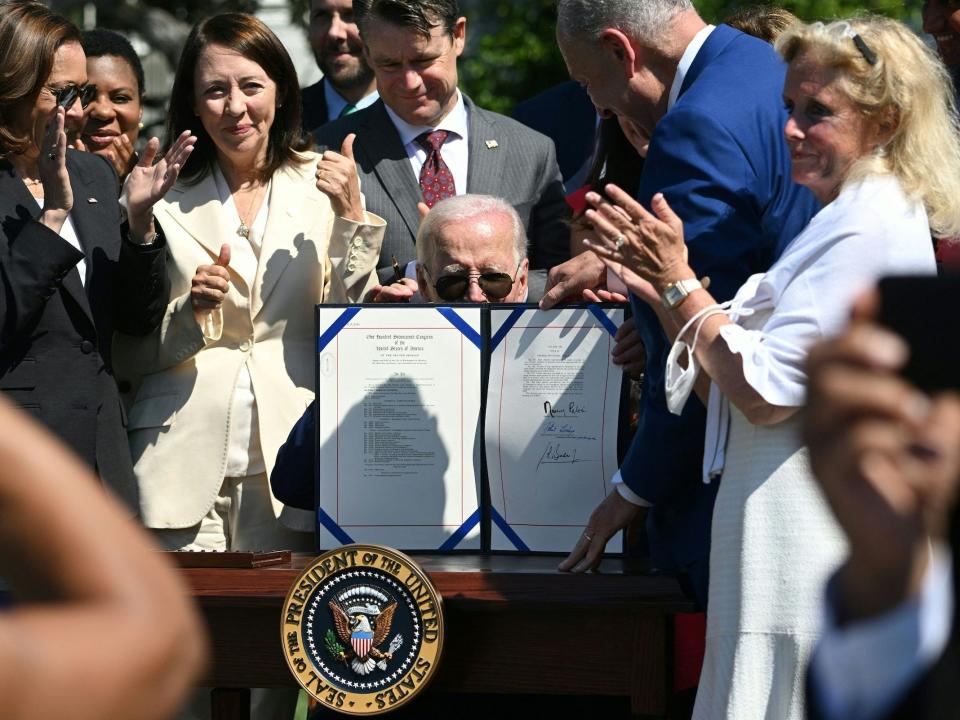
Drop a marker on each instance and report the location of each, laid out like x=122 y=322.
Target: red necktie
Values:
x=436 y=180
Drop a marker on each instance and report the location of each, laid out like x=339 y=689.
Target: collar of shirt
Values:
x=686 y=60
x=336 y=102
x=455 y=121
x=455 y=150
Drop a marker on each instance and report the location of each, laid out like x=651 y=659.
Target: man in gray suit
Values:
x=424 y=140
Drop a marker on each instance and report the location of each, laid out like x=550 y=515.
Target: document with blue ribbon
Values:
x=398 y=398
x=464 y=427
x=552 y=409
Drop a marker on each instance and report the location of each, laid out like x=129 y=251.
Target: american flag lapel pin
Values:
x=491 y=144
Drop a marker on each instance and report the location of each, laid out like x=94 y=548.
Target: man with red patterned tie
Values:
x=424 y=140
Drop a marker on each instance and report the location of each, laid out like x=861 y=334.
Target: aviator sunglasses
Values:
x=67 y=95
x=495 y=285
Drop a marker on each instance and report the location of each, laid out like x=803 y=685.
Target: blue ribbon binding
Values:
x=460 y=324
x=333 y=528
x=507 y=530
x=338 y=325
x=602 y=317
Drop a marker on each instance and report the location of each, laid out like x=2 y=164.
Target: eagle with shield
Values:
x=362 y=616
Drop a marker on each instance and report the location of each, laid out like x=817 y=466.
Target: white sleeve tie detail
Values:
x=679 y=381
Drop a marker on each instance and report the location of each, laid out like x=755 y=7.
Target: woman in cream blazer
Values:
x=184 y=420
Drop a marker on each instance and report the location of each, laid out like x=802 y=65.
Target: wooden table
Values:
x=514 y=625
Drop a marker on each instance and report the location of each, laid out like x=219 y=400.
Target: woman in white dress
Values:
x=873 y=134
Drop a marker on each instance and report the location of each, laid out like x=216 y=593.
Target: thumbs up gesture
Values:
x=210 y=285
x=337 y=177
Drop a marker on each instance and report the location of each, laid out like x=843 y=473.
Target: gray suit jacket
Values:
x=520 y=167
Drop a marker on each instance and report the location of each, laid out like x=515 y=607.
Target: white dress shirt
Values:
x=455 y=150
x=244 y=455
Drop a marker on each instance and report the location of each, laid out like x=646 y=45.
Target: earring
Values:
x=140 y=125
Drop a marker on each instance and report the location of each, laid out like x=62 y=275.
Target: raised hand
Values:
x=57 y=192
x=210 y=285
x=148 y=182
x=398 y=292
x=337 y=178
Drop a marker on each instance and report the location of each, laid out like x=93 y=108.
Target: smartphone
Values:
x=923 y=311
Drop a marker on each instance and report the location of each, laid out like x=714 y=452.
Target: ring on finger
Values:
x=51 y=156
x=619 y=240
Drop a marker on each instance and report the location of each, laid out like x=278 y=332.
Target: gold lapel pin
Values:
x=491 y=144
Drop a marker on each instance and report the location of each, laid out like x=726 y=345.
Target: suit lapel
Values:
x=291 y=197
x=16 y=201
x=197 y=209
x=485 y=163
x=383 y=151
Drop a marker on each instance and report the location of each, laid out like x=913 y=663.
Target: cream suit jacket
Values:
x=179 y=422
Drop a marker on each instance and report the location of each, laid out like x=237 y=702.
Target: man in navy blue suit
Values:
x=710 y=99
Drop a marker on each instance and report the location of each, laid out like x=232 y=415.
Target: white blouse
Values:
x=872 y=229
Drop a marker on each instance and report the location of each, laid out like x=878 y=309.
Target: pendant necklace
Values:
x=244 y=231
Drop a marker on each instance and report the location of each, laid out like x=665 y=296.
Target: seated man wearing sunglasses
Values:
x=470 y=248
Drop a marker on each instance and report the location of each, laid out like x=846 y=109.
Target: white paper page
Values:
x=551 y=425
x=399 y=408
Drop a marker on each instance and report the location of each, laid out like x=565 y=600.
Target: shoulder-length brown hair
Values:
x=248 y=36
x=30 y=35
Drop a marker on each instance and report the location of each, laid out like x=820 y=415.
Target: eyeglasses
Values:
x=67 y=95
x=495 y=285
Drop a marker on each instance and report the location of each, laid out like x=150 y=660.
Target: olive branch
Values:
x=334 y=649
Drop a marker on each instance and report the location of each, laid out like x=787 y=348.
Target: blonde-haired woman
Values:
x=872 y=133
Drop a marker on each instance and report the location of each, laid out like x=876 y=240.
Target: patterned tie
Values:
x=436 y=180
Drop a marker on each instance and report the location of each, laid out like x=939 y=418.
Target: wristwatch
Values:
x=676 y=292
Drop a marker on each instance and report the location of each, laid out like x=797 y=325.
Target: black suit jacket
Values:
x=506 y=159
x=55 y=332
x=314 y=106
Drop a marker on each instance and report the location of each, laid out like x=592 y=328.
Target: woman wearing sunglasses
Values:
x=71 y=270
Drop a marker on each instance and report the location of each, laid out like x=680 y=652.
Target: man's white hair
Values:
x=646 y=21
x=459 y=208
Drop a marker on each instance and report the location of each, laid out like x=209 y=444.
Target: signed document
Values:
x=398 y=398
x=551 y=423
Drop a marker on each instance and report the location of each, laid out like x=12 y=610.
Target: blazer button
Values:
x=246 y=345
x=357 y=241
x=351 y=266
x=86 y=347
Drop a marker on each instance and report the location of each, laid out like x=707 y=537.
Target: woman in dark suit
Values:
x=71 y=268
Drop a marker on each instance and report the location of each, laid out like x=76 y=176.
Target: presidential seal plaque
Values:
x=362 y=629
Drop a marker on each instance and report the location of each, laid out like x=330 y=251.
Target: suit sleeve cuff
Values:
x=626 y=493
x=861 y=670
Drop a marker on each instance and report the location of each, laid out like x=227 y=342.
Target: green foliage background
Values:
x=513 y=55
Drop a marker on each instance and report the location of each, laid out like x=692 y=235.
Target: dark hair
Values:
x=762 y=21
x=248 y=36
x=30 y=35
x=421 y=15
x=97 y=43
x=615 y=161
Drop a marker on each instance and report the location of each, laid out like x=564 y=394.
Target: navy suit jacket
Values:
x=292 y=477
x=314 y=107
x=720 y=159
